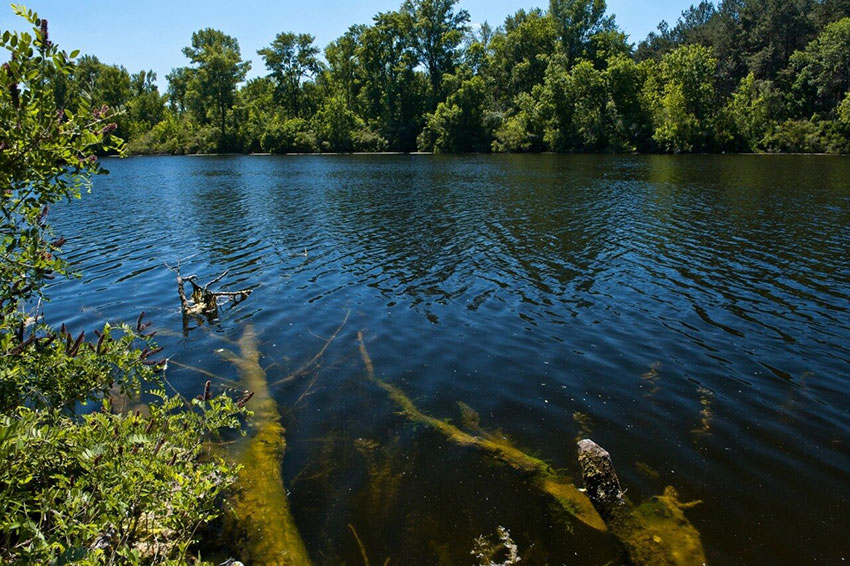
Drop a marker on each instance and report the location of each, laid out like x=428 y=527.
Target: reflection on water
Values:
x=689 y=312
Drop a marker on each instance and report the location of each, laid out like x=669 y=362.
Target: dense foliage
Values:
x=82 y=479
x=742 y=75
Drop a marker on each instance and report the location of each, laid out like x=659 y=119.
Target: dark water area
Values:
x=690 y=314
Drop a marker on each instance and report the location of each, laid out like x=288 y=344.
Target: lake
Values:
x=689 y=314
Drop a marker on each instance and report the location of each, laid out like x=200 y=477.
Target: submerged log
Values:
x=559 y=488
x=655 y=532
x=261 y=515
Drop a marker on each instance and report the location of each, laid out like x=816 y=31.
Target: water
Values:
x=690 y=314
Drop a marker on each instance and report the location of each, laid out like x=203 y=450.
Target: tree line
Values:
x=736 y=76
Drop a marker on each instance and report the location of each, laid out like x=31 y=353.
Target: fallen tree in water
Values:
x=654 y=533
x=261 y=520
x=560 y=488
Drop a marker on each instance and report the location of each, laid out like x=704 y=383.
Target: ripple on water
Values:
x=689 y=312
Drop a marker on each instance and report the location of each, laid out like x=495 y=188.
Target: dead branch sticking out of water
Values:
x=654 y=533
x=202 y=301
x=261 y=515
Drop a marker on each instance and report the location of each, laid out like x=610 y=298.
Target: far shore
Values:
x=295 y=154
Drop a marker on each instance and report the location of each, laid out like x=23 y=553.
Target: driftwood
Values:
x=201 y=301
x=654 y=533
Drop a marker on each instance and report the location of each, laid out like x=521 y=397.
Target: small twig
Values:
x=360 y=545
x=306 y=366
x=203 y=372
x=168 y=383
x=216 y=280
x=242 y=293
x=307 y=389
x=367 y=360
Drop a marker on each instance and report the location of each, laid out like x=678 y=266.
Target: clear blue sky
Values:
x=149 y=34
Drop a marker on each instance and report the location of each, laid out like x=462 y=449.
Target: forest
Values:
x=104 y=461
x=737 y=76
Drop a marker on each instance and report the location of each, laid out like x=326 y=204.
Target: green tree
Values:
x=592 y=110
x=774 y=30
x=577 y=21
x=391 y=99
x=146 y=107
x=476 y=52
x=522 y=130
x=291 y=59
x=343 y=67
x=458 y=124
x=178 y=87
x=289 y=135
x=520 y=54
x=219 y=69
x=844 y=113
x=822 y=70
x=748 y=115
x=692 y=27
x=557 y=107
x=336 y=125
x=682 y=96
x=438 y=30
x=255 y=109
x=631 y=126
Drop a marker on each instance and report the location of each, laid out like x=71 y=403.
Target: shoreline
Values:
x=428 y=153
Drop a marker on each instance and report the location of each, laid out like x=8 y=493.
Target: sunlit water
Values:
x=690 y=314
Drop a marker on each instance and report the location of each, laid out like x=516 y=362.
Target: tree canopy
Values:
x=563 y=78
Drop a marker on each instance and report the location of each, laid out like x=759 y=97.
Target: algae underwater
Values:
x=683 y=312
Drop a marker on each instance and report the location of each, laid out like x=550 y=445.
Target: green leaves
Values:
x=122 y=488
x=210 y=87
x=46 y=159
x=291 y=58
x=98 y=487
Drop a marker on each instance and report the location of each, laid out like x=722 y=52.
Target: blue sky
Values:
x=150 y=33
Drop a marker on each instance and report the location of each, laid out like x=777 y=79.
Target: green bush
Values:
x=79 y=486
x=367 y=139
x=292 y=135
x=802 y=136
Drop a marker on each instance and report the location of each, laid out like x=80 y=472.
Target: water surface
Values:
x=690 y=314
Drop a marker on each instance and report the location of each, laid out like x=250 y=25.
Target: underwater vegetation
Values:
x=656 y=532
x=262 y=528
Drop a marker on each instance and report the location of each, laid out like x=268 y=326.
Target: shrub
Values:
x=79 y=486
